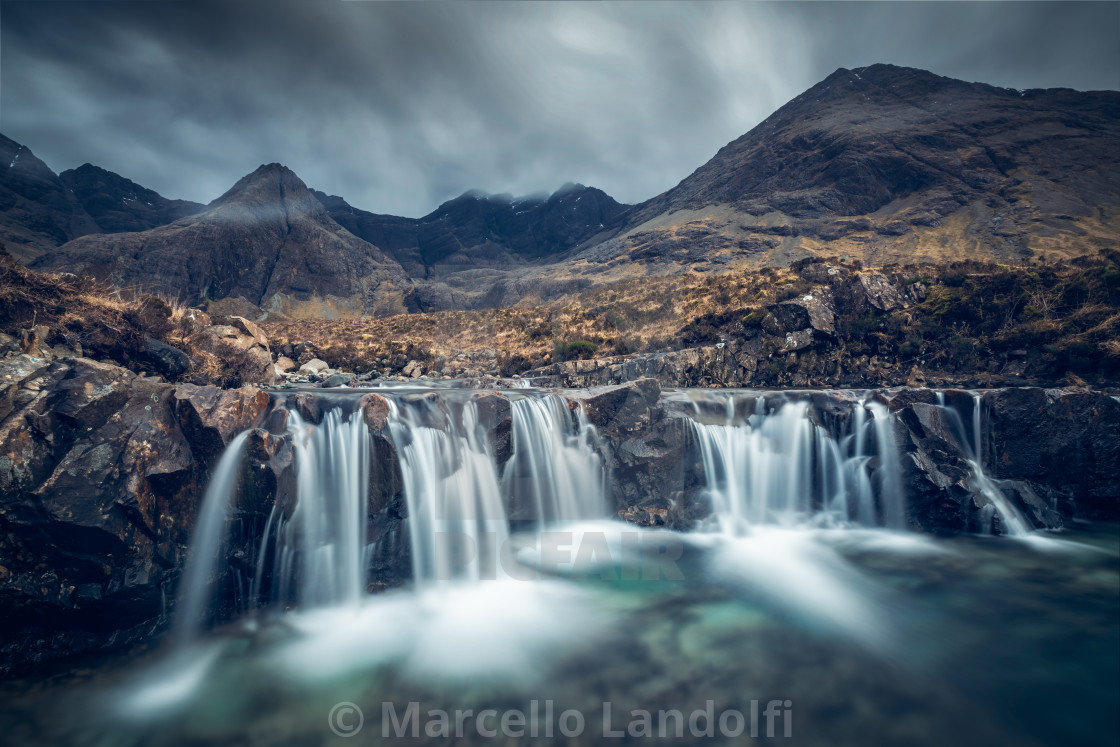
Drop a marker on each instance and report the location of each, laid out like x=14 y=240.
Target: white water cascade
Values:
x=555 y=465
x=778 y=467
x=209 y=536
x=1013 y=522
x=456 y=518
x=321 y=549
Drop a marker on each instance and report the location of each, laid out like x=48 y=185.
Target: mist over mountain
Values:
x=479 y=229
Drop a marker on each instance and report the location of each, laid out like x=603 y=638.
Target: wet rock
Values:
x=101 y=472
x=211 y=417
x=1067 y=439
x=337 y=380
x=375 y=412
x=617 y=409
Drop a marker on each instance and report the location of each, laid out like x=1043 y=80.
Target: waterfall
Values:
x=207 y=541
x=555 y=465
x=320 y=549
x=1013 y=522
x=778 y=467
x=457 y=521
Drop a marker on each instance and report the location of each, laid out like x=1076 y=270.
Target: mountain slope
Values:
x=896 y=164
x=117 y=204
x=477 y=230
x=266 y=243
x=37 y=211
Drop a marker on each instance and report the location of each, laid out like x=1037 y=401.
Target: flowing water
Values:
x=777 y=467
x=803 y=615
x=1013 y=521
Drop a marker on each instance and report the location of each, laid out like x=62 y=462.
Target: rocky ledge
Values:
x=102 y=472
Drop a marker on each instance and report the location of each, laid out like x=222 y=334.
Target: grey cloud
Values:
x=399 y=106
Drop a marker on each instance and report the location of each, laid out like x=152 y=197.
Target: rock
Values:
x=34 y=341
x=798 y=340
x=197 y=318
x=881 y=292
x=811 y=311
x=620 y=408
x=313 y=366
x=250 y=329
x=101 y=475
x=257 y=368
x=164 y=358
x=337 y=380
x=219 y=338
x=819 y=272
x=375 y=412
x=211 y=417
x=285 y=364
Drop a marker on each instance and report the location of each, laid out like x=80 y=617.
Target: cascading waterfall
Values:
x=555 y=465
x=209 y=536
x=1013 y=522
x=316 y=553
x=456 y=516
x=778 y=467
x=321 y=549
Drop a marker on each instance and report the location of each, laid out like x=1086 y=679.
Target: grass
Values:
x=1059 y=319
x=1065 y=315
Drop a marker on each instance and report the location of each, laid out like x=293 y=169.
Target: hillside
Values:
x=267 y=243
x=888 y=164
x=882 y=165
x=117 y=204
x=37 y=211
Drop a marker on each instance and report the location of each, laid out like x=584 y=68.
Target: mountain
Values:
x=37 y=211
x=267 y=244
x=117 y=204
x=480 y=230
x=890 y=164
x=41 y=210
x=881 y=164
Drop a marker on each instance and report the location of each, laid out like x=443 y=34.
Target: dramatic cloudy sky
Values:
x=399 y=106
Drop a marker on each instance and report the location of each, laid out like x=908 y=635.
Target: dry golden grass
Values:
x=635 y=315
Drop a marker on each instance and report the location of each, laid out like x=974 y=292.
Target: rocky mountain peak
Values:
x=118 y=204
x=269 y=184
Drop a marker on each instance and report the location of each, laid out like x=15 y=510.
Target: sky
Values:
x=399 y=106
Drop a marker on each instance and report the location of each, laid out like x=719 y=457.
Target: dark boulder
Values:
x=164 y=359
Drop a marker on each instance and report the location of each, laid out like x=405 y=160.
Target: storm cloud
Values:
x=400 y=106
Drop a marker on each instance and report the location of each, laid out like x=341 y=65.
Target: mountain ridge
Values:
x=881 y=164
x=266 y=243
